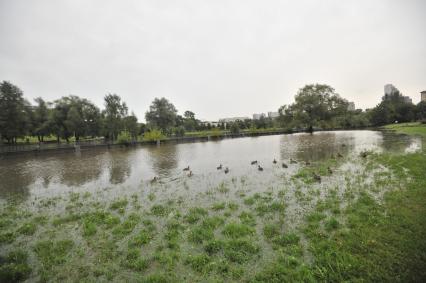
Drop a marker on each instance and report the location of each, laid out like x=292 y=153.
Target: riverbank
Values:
x=361 y=220
x=416 y=129
x=40 y=148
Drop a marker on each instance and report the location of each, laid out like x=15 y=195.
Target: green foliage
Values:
x=124 y=137
x=153 y=135
x=161 y=114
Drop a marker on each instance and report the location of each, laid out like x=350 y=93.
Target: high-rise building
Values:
x=258 y=116
x=273 y=114
x=423 y=95
x=390 y=91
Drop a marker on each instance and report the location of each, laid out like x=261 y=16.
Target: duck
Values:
x=254 y=162
x=292 y=161
x=155 y=179
x=226 y=170
x=329 y=170
x=275 y=161
x=284 y=165
x=219 y=167
x=307 y=163
x=317 y=177
x=190 y=173
x=260 y=168
x=186 y=168
x=364 y=154
x=339 y=155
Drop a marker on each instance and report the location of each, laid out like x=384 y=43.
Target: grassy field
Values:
x=364 y=222
x=417 y=128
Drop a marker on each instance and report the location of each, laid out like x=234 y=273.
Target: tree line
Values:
x=75 y=117
x=319 y=106
x=316 y=106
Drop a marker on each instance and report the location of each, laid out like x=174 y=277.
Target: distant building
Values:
x=351 y=106
x=258 y=116
x=423 y=95
x=273 y=115
x=233 y=119
x=211 y=123
x=392 y=90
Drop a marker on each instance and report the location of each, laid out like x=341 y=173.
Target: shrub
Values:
x=124 y=137
x=153 y=135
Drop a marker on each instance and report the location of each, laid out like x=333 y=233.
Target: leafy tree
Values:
x=41 y=119
x=131 y=125
x=115 y=111
x=13 y=112
x=161 y=114
x=421 y=110
x=317 y=102
x=235 y=128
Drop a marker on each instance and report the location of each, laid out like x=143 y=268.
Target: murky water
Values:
x=133 y=168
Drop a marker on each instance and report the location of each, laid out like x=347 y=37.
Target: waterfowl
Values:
x=226 y=170
x=284 y=165
x=292 y=161
x=190 y=173
x=186 y=169
x=364 y=154
x=155 y=179
x=260 y=168
x=275 y=161
x=219 y=167
x=254 y=162
x=317 y=177
x=329 y=170
x=339 y=155
x=307 y=163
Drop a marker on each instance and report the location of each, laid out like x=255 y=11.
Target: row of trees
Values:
x=75 y=117
x=315 y=106
x=319 y=106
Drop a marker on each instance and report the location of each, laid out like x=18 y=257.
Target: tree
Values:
x=317 y=103
x=161 y=114
x=115 y=111
x=74 y=116
x=131 y=125
x=41 y=119
x=421 y=110
x=13 y=112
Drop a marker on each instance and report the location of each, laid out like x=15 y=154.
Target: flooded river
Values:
x=132 y=168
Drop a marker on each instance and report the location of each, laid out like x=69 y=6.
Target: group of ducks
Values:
x=260 y=168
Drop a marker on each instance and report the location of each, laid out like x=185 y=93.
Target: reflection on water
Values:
x=134 y=166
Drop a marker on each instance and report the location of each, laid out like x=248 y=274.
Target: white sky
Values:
x=216 y=58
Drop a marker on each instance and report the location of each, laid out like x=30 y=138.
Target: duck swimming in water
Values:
x=155 y=179
x=260 y=168
x=190 y=173
x=254 y=162
x=329 y=170
x=219 y=167
x=275 y=161
x=226 y=170
x=292 y=161
x=284 y=165
x=186 y=168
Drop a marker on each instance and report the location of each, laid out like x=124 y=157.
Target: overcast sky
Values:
x=216 y=58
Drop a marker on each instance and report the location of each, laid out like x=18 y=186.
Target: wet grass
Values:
x=363 y=227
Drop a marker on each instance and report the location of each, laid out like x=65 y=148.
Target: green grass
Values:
x=416 y=129
x=350 y=231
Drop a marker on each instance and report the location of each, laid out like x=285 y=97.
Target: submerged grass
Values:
x=353 y=231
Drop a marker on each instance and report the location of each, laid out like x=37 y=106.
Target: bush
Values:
x=153 y=135
x=124 y=137
x=179 y=131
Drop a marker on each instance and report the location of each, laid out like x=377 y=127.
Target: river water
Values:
x=130 y=169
